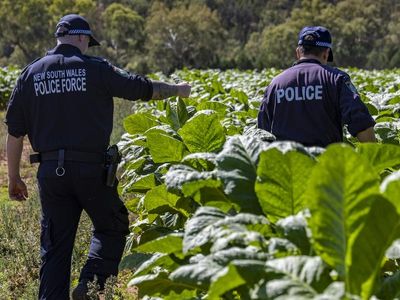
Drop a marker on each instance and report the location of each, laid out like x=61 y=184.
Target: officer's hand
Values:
x=184 y=89
x=17 y=189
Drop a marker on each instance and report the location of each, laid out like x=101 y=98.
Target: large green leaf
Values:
x=165 y=148
x=294 y=228
x=157 y=285
x=203 y=132
x=282 y=181
x=179 y=175
x=335 y=291
x=202 y=273
x=141 y=183
x=237 y=273
x=387 y=132
x=156 y=262
x=309 y=270
x=390 y=287
x=390 y=187
x=283 y=288
x=197 y=230
x=211 y=225
x=168 y=244
x=236 y=166
x=139 y=123
x=219 y=107
x=134 y=261
x=340 y=193
x=201 y=161
x=380 y=156
x=177 y=114
x=158 y=197
x=369 y=246
x=260 y=134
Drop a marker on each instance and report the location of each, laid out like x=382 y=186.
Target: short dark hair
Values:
x=309 y=49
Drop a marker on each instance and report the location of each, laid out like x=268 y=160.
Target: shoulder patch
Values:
x=121 y=71
x=350 y=85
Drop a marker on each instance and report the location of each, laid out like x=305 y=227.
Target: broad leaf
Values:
x=369 y=246
x=283 y=288
x=282 y=181
x=390 y=187
x=237 y=169
x=201 y=161
x=141 y=183
x=219 y=107
x=307 y=269
x=340 y=194
x=177 y=114
x=203 y=133
x=380 y=156
x=158 y=197
x=134 y=261
x=201 y=273
x=390 y=287
x=156 y=262
x=139 y=123
x=179 y=175
x=294 y=228
x=168 y=244
x=197 y=230
x=165 y=148
x=237 y=273
x=157 y=285
x=260 y=134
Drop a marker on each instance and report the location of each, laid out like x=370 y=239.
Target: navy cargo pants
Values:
x=63 y=198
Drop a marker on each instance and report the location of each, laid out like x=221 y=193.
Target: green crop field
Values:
x=222 y=211
x=226 y=212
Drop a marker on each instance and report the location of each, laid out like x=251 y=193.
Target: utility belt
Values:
x=110 y=159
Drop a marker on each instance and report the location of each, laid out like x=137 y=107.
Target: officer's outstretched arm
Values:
x=367 y=135
x=16 y=187
x=163 y=90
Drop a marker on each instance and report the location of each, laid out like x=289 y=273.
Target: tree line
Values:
x=152 y=35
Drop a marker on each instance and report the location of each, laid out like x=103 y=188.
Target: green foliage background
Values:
x=155 y=35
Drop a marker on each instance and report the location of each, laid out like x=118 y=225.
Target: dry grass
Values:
x=20 y=229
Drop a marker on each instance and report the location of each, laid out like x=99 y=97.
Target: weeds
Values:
x=19 y=252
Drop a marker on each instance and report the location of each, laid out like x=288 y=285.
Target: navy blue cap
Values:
x=322 y=38
x=75 y=25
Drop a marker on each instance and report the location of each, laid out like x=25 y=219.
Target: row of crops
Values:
x=225 y=212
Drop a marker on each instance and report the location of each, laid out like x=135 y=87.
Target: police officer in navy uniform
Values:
x=310 y=102
x=64 y=103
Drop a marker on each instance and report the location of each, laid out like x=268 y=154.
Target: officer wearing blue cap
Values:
x=64 y=103
x=311 y=101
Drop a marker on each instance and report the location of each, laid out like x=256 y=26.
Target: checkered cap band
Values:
x=79 y=31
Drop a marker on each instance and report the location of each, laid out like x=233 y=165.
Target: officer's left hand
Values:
x=17 y=189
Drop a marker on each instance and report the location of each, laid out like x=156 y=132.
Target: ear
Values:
x=326 y=54
x=298 y=53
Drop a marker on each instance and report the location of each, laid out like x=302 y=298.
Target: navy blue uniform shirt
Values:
x=64 y=100
x=309 y=103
